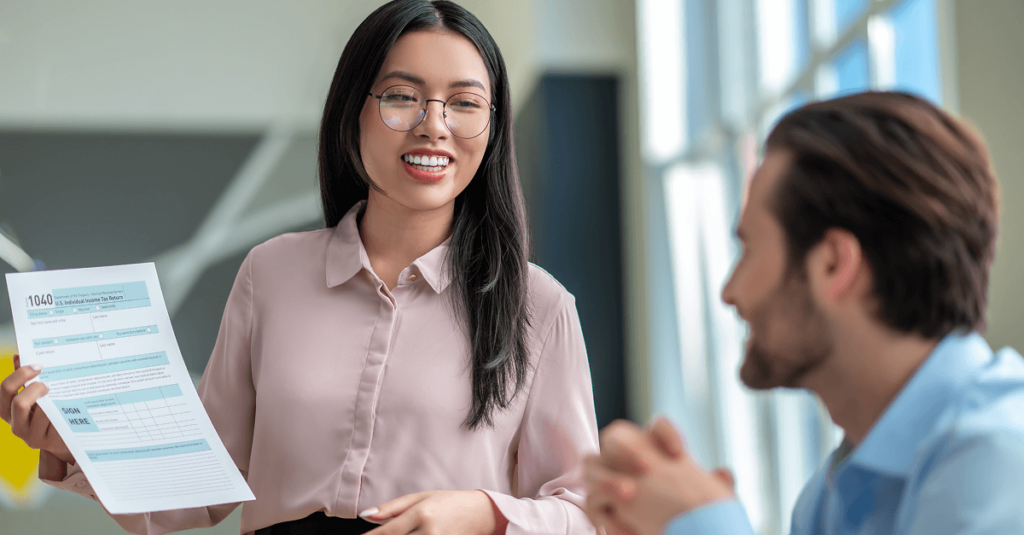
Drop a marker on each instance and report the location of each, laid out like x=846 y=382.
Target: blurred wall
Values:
x=990 y=75
x=248 y=63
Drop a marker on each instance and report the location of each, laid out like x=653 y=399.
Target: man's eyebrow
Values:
x=412 y=78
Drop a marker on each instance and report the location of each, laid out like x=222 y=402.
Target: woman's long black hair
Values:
x=489 y=244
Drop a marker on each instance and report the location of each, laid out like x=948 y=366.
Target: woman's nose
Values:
x=432 y=125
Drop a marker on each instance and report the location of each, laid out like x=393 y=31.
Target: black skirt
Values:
x=319 y=524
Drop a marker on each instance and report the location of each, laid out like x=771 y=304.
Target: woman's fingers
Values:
x=11 y=384
x=21 y=409
x=393 y=508
x=39 y=430
x=405 y=523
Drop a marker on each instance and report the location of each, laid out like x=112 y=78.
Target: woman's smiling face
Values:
x=438 y=64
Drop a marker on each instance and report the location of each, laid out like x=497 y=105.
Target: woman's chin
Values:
x=418 y=201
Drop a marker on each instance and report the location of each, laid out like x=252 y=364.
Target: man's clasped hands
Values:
x=644 y=477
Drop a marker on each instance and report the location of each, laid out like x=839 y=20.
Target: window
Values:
x=848 y=11
x=851 y=67
x=915 y=46
x=715 y=75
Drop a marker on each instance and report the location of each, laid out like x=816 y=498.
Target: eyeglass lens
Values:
x=403 y=108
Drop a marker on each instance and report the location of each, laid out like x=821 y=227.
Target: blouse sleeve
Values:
x=559 y=428
x=228 y=396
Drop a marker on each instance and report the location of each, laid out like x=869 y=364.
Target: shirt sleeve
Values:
x=975 y=487
x=725 y=518
x=559 y=427
x=228 y=396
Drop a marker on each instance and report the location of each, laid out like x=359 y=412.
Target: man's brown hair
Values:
x=915 y=187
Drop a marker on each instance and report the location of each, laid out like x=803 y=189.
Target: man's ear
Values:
x=835 y=267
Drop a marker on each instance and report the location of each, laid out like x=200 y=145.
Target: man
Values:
x=868 y=233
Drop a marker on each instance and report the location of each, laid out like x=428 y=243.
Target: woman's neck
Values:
x=395 y=236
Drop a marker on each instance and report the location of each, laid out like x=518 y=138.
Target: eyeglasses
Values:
x=403 y=108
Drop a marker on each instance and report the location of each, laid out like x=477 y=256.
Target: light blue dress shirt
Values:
x=946 y=457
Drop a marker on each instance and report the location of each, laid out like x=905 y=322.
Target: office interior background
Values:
x=184 y=133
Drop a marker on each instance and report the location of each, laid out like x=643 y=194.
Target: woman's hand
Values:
x=437 y=512
x=28 y=421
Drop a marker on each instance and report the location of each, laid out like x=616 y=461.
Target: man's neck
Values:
x=864 y=376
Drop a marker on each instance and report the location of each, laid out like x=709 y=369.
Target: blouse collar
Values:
x=346 y=256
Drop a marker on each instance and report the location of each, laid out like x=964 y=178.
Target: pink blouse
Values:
x=333 y=393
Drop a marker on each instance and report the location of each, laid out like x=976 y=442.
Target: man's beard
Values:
x=803 y=339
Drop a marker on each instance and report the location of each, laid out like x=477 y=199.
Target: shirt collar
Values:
x=346 y=256
x=892 y=443
x=433 y=266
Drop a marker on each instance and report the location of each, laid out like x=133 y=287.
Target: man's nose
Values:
x=728 y=291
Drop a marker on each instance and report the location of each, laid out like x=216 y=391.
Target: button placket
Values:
x=370 y=382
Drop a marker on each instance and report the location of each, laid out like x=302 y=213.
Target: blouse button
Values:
x=413 y=277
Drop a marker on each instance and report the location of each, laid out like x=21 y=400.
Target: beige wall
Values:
x=990 y=76
x=248 y=63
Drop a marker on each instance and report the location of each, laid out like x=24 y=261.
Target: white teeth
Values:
x=435 y=162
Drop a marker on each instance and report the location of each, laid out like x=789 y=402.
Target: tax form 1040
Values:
x=120 y=395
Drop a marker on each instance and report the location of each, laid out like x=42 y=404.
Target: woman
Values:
x=406 y=361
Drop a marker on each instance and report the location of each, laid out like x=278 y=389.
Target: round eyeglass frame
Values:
x=423 y=110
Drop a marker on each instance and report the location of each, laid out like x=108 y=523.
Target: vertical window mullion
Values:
x=882 y=51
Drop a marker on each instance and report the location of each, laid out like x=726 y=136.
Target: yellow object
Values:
x=18 y=463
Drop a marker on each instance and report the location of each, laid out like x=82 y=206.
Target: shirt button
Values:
x=413 y=277
x=80 y=484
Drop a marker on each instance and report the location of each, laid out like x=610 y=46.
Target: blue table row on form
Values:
x=95 y=337
x=92 y=299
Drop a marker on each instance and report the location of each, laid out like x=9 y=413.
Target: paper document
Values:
x=120 y=395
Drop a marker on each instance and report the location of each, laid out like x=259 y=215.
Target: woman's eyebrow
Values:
x=408 y=77
x=468 y=83
x=412 y=78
